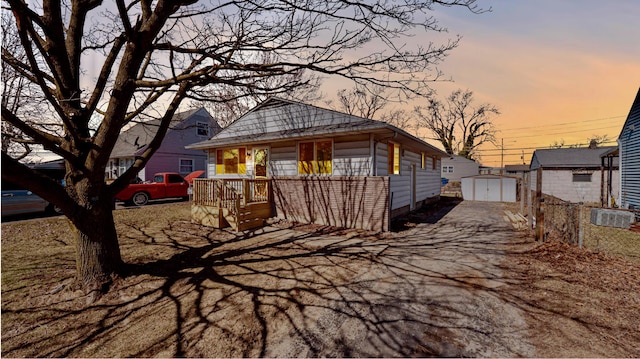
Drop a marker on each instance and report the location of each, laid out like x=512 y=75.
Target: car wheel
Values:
x=140 y=198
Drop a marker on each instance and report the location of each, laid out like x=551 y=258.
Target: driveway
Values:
x=427 y=291
x=431 y=290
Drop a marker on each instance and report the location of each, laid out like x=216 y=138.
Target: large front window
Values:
x=231 y=161
x=315 y=157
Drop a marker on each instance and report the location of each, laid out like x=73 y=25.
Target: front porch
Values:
x=237 y=203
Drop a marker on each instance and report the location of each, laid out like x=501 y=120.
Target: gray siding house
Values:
x=455 y=167
x=323 y=166
x=573 y=174
x=186 y=128
x=629 y=155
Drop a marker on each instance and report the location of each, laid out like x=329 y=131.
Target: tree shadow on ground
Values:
x=194 y=291
x=428 y=213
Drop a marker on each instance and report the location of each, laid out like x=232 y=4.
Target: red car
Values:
x=164 y=185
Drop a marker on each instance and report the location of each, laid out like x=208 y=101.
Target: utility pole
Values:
x=502 y=157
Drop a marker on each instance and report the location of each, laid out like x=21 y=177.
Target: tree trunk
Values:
x=98 y=259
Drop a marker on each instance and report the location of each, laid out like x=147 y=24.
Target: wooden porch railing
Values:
x=228 y=193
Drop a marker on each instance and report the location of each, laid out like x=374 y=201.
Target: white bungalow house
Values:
x=455 y=167
x=185 y=128
x=629 y=155
x=308 y=164
x=574 y=174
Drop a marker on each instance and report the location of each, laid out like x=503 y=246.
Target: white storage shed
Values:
x=489 y=188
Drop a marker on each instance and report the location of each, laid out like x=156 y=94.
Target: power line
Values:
x=565 y=123
x=565 y=133
x=574 y=145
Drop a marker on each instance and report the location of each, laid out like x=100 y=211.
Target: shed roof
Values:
x=568 y=157
x=491 y=176
x=279 y=120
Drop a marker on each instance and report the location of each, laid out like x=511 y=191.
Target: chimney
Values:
x=593 y=144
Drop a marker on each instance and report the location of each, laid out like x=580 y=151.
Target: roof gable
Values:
x=279 y=116
x=138 y=136
x=458 y=159
x=633 y=119
x=280 y=119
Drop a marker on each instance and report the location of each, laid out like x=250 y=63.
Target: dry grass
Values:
x=579 y=303
x=199 y=292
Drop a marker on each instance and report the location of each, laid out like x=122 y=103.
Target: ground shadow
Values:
x=277 y=292
x=428 y=213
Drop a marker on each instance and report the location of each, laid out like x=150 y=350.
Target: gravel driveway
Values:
x=427 y=291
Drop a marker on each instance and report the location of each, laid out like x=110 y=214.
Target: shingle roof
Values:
x=138 y=136
x=278 y=119
x=569 y=157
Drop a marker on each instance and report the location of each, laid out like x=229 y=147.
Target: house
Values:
x=455 y=167
x=573 y=174
x=518 y=171
x=315 y=166
x=629 y=155
x=186 y=128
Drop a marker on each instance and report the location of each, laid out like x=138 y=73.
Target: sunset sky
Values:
x=558 y=70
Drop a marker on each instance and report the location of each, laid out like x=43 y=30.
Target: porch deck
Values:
x=239 y=203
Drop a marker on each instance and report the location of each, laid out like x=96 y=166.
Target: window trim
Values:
x=314 y=162
x=193 y=165
x=581 y=177
x=242 y=165
x=391 y=158
x=199 y=127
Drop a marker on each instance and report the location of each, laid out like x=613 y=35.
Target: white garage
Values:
x=489 y=188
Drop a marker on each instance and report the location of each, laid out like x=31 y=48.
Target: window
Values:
x=202 y=129
x=260 y=157
x=186 y=165
x=447 y=169
x=173 y=178
x=423 y=160
x=434 y=162
x=231 y=161
x=582 y=177
x=315 y=157
x=393 y=151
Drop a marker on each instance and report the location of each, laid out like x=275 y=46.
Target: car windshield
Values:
x=158 y=179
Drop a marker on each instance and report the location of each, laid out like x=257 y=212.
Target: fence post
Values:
x=529 y=201
x=580 y=227
x=540 y=208
x=522 y=183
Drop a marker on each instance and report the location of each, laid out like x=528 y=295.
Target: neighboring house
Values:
x=324 y=166
x=573 y=174
x=186 y=128
x=629 y=155
x=516 y=170
x=455 y=167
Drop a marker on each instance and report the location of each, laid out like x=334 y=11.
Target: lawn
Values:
x=195 y=291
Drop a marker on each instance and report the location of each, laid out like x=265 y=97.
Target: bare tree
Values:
x=457 y=123
x=370 y=101
x=100 y=67
x=592 y=142
x=227 y=103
